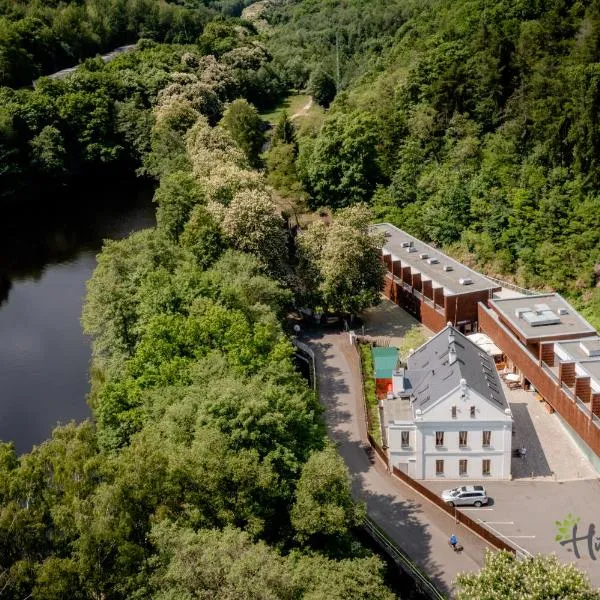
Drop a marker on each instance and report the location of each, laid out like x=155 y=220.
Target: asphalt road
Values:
x=415 y=524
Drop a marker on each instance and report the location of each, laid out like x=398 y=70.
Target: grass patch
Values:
x=414 y=337
x=290 y=104
x=368 y=379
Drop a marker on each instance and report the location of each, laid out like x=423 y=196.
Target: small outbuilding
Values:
x=385 y=362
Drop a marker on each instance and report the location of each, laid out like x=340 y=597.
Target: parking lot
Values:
x=524 y=513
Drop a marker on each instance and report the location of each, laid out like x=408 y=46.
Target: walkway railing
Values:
x=512 y=286
x=402 y=559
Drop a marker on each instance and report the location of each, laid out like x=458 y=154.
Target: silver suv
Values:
x=467 y=495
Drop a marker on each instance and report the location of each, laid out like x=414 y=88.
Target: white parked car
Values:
x=467 y=495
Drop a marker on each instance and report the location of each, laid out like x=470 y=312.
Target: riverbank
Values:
x=47 y=255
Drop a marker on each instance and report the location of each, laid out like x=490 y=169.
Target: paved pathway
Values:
x=415 y=524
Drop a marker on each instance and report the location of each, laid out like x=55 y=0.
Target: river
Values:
x=46 y=257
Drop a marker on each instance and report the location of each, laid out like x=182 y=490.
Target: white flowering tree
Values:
x=252 y=224
x=339 y=266
x=541 y=577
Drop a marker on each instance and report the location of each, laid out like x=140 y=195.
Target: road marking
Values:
x=499 y=522
x=529 y=537
x=501 y=535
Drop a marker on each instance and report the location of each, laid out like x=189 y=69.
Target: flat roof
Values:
x=593 y=368
x=385 y=360
x=396 y=243
x=574 y=349
x=547 y=316
x=398 y=409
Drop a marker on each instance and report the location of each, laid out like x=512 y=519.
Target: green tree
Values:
x=340 y=166
x=48 y=151
x=324 y=507
x=176 y=196
x=246 y=128
x=322 y=87
x=284 y=132
x=536 y=578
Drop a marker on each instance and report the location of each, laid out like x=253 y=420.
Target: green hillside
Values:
x=470 y=123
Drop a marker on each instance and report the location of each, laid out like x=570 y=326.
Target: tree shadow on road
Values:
x=340 y=391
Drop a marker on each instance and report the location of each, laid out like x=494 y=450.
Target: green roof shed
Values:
x=385 y=361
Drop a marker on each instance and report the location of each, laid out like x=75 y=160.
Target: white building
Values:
x=449 y=417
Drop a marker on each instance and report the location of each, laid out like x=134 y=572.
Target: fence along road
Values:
x=411 y=522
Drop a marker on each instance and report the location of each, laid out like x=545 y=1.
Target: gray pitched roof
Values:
x=471 y=363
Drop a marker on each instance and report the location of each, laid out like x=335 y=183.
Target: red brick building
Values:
x=433 y=287
x=557 y=351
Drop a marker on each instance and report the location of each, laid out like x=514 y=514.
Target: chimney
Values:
x=398 y=383
x=451 y=347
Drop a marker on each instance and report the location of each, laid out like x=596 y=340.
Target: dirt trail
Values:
x=303 y=110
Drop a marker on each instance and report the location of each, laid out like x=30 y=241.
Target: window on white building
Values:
x=439 y=438
x=487 y=438
x=462 y=467
x=486 y=468
x=405 y=439
x=472 y=412
x=439 y=467
x=454 y=411
x=462 y=439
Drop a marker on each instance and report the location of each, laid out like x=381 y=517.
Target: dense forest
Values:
x=37 y=38
x=207 y=472
x=472 y=124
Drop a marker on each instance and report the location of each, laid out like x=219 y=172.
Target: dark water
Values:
x=46 y=256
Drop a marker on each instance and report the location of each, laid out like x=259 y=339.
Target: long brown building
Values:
x=544 y=341
x=433 y=287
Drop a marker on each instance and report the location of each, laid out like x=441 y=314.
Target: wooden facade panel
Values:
x=416 y=281
x=427 y=289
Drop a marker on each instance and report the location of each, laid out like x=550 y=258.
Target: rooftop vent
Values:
x=590 y=347
x=423 y=256
x=433 y=261
x=411 y=249
x=405 y=244
x=448 y=268
x=540 y=308
x=563 y=311
x=465 y=281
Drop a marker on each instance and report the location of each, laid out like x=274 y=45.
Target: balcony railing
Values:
x=549 y=371
x=583 y=408
x=567 y=390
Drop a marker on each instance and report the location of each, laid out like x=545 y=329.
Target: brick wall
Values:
x=547 y=353
x=431 y=318
x=566 y=373
x=544 y=383
x=596 y=403
x=583 y=389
